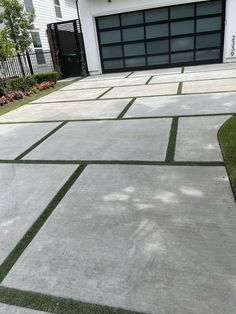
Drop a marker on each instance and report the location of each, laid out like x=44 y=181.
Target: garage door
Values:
x=164 y=37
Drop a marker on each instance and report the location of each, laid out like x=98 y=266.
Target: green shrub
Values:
x=47 y=76
x=20 y=83
x=26 y=83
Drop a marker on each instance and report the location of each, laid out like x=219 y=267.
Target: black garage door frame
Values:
x=169 y=54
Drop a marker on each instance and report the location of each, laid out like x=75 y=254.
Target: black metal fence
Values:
x=26 y=64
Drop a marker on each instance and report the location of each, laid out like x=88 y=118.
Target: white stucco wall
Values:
x=89 y=9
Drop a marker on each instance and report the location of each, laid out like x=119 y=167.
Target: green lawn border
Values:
x=227 y=140
x=170 y=152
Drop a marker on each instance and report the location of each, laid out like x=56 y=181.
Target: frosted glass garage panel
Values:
x=181 y=28
x=208 y=54
x=110 y=37
x=112 y=52
x=135 y=62
x=209 y=7
x=182 y=43
x=209 y=24
x=156 y=15
x=131 y=34
x=158 y=60
x=182 y=11
x=155 y=31
x=134 y=49
x=158 y=46
x=182 y=57
x=108 y=22
x=113 y=64
x=208 y=41
x=132 y=18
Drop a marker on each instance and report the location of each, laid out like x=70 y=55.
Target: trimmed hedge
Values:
x=25 y=83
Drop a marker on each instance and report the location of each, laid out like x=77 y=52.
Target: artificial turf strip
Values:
x=40 y=141
x=227 y=140
x=170 y=153
x=11 y=259
x=116 y=162
x=53 y=304
x=123 y=112
x=180 y=88
x=148 y=81
x=100 y=96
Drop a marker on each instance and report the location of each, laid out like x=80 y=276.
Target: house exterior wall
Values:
x=45 y=14
x=89 y=9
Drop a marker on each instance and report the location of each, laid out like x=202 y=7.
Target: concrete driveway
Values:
x=114 y=192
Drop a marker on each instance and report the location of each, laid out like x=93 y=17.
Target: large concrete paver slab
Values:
x=107 y=140
x=16 y=138
x=183 y=105
x=142 y=90
x=26 y=190
x=210 y=67
x=9 y=309
x=108 y=76
x=94 y=109
x=73 y=95
x=107 y=83
x=209 y=86
x=197 y=139
x=155 y=72
x=184 y=77
x=150 y=239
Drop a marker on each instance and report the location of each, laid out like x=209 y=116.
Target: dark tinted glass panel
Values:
x=114 y=64
x=130 y=34
x=110 y=37
x=132 y=18
x=112 y=52
x=135 y=62
x=156 y=60
x=182 y=11
x=183 y=43
x=208 y=54
x=134 y=49
x=155 y=31
x=184 y=27
x=156 y=15
x=210 y=7
x=109 y=21
x=159 y=46
x=182 y=57
x=209 y=24
x=207 y=41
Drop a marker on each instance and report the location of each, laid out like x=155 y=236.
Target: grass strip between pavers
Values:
x=125 y=118
x=227 y=140
x=11 y=259
x=180 y=88
x=116 y=162
x=170 y=152
x=53 y=304
x=123 y=112
x=104 y=93
x=40 y=141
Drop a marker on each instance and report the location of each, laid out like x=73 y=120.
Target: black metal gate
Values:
x=66 y=44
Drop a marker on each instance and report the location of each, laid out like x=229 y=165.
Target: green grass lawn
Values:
x=18 y=103
x=227 y=139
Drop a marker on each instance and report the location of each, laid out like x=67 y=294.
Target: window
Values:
x=57 y=8
x=38 y=48
x=29 y=5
